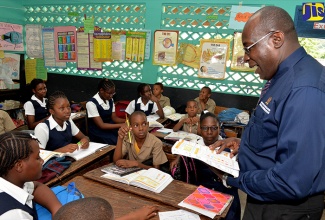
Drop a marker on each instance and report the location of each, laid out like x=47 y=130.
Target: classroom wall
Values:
x=79 y=88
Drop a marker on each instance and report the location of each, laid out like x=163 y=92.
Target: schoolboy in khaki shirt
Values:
x=142 y=146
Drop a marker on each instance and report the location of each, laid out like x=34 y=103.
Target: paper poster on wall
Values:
x=148 y=42
x=11 y=37
x=65 y=44
x=165 y=47
x=49 y=50
x=135 y=46
x=118 y=45
x=237 y=61
x=85 y=51
x=189 y=55
x=34 y=68
x=9 y=66
x=102 y=47
x=214 y=55
x=34 y=40
x=239 y=15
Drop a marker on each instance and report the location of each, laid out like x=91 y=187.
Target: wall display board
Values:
x=65 y=44
x=49 y=50
x=85 y=45
x=11 y=37
x=237 y=61
x=9 y=66
x=165 y=47
x=135 y=46
x=214 y=55
x=102 y=47
x=34 y=40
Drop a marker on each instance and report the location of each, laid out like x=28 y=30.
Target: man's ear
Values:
x=209 y=95
x=51 y=111
x=278 y=39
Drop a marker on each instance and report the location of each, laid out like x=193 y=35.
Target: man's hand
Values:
x=231 y=143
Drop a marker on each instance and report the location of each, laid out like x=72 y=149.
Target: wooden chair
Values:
x=230 y=133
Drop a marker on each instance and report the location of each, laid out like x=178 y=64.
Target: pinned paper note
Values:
x=2 y=54
x=89 y=25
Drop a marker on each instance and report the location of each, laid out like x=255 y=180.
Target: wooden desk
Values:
x=77 y=168
x=122 y=202
x=173 y=194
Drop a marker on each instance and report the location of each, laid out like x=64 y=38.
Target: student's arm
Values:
x=31 y=123
x=146 y=212
x=105 y=126
x=117 y=119
x=167 y=101
x=212 y=105
x=122 y=132
x=44 y=196
x=160 y=111
x=180 y=123
x=93 y=114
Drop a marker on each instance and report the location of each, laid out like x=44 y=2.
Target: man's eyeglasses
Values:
x=212 y=128
x=247 y=49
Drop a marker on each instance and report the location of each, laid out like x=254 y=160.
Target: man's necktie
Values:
x=265 y=88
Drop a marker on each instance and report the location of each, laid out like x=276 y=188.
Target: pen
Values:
x=128 y=124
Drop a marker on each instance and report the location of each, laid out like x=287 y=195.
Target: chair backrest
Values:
x=230 y=133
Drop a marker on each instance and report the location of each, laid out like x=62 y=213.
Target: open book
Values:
x=220 y=161
x=207 y=202
x=114 y=169
x=77 y=154
x=178 y=135
x=152 y=179
x=175 y=116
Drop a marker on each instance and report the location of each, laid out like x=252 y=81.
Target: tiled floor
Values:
x=242 y=197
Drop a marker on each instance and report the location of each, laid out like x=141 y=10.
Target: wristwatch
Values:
x=224 y=180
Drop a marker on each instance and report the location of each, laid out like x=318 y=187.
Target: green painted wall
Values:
x=12 y=11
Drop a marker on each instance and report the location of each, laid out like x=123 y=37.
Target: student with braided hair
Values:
x=56 y=132
x=103 y=122
x=20 y=167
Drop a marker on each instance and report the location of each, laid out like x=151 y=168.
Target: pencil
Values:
x=128 y=124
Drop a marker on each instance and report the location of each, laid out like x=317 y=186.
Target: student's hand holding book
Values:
x=231 y=143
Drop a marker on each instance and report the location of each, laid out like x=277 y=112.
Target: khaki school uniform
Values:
x=164 y=101
x=190 y=128
x=210 y=105
x=6 y=123
x=151 y=148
